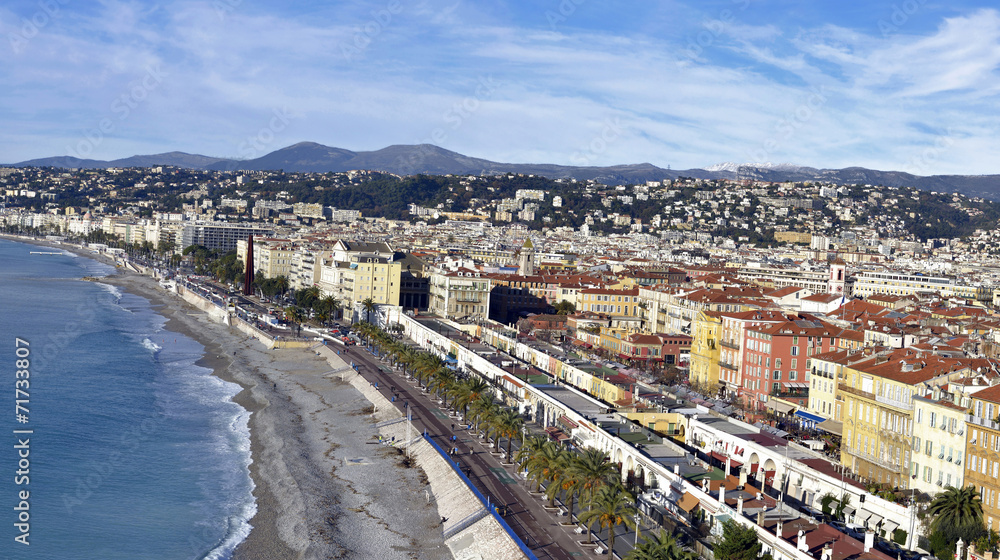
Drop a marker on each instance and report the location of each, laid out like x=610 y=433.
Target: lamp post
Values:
x=638 y=518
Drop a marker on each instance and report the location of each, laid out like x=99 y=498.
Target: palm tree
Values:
x=369 y=306
x=425 y=366
x=473 y=387
x=542 y=464
x=281 y=284
x=610 y=507
x=594 y=471
x=481 y=407
x=441 y=380
x=959 y=506
x=510 y=424
x=529 y=448
x=567 y=480
x=662 y=547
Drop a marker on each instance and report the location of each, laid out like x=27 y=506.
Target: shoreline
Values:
x=321 y=490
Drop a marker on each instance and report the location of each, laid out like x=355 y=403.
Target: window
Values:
x=777 y=362
x=795 y=350
x=791 y=376
x=777 y=377
x=929 y=447
x=916 y=444
x=933 y=419
x=795 y=364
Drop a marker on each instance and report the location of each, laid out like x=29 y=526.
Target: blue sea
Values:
x=135 y=451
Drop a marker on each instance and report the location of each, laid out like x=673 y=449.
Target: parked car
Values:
x=888 y=547
x=838 y=525
x=815 y=513
x=855 y=531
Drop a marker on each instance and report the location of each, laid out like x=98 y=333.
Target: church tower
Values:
x=838 y=276
x=526 y=261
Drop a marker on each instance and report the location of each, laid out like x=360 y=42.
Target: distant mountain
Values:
x=177 y=159
x=430 y=159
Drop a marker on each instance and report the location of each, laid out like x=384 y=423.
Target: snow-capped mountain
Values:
x=737 y=167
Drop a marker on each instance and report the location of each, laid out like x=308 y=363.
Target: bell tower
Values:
x=526 y=260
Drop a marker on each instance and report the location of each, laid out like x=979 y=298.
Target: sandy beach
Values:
x=324 y=487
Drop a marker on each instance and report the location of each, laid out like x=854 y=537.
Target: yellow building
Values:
x=616 y=303
x=271 y=257
x=982 y=452
x=377 y=278
x=877 y=392
x=705 y=348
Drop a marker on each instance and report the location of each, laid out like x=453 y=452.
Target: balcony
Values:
x=979 y=421
x=894 y=403
x=727 y=365
x=858 y=392
x=871 y=459
x=791 y=394
x=730 y=344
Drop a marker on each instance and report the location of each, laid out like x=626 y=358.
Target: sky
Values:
x=907 y=85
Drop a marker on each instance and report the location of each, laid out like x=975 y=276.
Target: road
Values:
x=537 y=528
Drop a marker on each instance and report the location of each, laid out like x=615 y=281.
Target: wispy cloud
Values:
x=814 y=91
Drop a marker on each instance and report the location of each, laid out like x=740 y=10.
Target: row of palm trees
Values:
x=588 y=477
x=472 y=396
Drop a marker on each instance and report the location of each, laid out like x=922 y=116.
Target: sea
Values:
x=122 y=447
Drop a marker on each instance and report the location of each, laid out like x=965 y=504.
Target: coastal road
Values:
x=526 y=515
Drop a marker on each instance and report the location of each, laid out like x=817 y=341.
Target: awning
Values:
x=809 y=416
x=889 y=527
x=779 y=407
x=797 y=385
x=832 y=426
x=565 y=421
x=849 y=510
x=874 y=520
x=688 y=502
x=862 y=516
x=720 y=457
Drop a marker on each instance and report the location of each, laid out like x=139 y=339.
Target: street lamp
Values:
x=638 y=517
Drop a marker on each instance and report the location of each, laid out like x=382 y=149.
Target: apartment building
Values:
x=732 y=335
x=705 y=349
x=869 y=282
x=828 y=279
x=776 y=360
x=878 y=392
x=271 y=257
x=938 y=440
x=620 y=303
x=982 y=452
x=460 y=293
x=219 y=235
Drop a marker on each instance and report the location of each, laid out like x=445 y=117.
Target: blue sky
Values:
x=904 y=85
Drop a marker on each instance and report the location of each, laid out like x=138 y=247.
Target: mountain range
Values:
x=430 y=159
